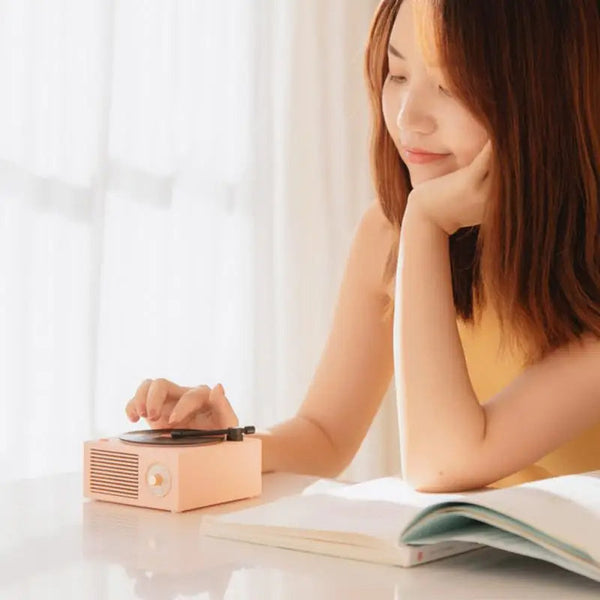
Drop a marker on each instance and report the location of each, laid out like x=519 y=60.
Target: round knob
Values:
x=155 y=480
x=158 y=479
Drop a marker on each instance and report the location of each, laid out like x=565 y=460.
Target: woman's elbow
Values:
x=440 y=481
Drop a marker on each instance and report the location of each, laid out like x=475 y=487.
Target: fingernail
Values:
x=173 y=418
x=152 y=415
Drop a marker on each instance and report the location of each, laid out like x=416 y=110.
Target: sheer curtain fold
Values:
x=179 y=185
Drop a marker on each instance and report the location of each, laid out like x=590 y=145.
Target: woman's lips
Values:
x=421 y=157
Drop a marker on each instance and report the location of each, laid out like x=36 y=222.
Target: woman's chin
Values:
x=422 y=176
x=416 y=179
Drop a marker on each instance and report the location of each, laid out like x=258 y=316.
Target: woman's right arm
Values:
x=354 y=371
x=352 y=376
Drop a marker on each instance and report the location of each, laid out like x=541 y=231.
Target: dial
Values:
x=158 y=479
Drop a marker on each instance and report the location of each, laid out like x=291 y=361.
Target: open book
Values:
x=386 y=521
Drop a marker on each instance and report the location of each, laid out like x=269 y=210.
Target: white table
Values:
x=56 y=544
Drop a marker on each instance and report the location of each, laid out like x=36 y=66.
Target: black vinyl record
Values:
x=163 y=437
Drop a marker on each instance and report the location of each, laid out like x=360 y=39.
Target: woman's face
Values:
x=418 y=111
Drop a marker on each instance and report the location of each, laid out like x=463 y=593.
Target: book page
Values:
x=491 y=536
x=362 y=521
x=371 y=513
x=566 y=508
x=403 y=556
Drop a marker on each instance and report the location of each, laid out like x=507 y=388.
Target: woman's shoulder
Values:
x=380 y=230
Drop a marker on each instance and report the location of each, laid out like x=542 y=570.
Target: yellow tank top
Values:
x=491 y=371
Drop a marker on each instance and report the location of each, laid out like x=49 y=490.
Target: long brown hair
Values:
x=532 y=78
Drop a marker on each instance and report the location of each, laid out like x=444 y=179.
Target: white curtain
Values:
x=180 y=181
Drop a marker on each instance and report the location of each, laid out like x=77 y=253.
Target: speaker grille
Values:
x=114 y=473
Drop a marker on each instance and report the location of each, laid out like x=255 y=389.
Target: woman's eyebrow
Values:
x=393 y=51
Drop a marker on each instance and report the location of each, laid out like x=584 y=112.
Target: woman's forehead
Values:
x=413 y=33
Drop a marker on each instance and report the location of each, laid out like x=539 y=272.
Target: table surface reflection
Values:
x=56 y=544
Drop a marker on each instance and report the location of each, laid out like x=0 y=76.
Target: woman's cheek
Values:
x=465 y=157
x=474 y=137
x=388 y=109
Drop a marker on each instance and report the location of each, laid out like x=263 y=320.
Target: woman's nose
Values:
x=415 y=116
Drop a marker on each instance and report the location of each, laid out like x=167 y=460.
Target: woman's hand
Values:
x=166 y=405
x=457 y=199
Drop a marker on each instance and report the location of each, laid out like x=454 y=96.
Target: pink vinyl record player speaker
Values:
x=174 y=469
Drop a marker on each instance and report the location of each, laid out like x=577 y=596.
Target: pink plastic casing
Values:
x=175 y=478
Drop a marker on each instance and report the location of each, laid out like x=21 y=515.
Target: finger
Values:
x=484 y=193
x=159 y=392
x=221 y=413
x=226 y=411
x=484 y=155
x=481 y=164
x=139 y=400
x=193 y=401
x=131 y=412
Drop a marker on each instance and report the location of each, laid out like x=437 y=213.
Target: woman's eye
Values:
x=401 y=79
x=396 y=78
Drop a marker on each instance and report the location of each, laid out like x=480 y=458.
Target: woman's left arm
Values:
x=449 y=441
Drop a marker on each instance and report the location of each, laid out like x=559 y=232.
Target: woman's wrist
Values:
x=417 y=216
x=297 y=446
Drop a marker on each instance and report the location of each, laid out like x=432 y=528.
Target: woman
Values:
x=475 y=275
